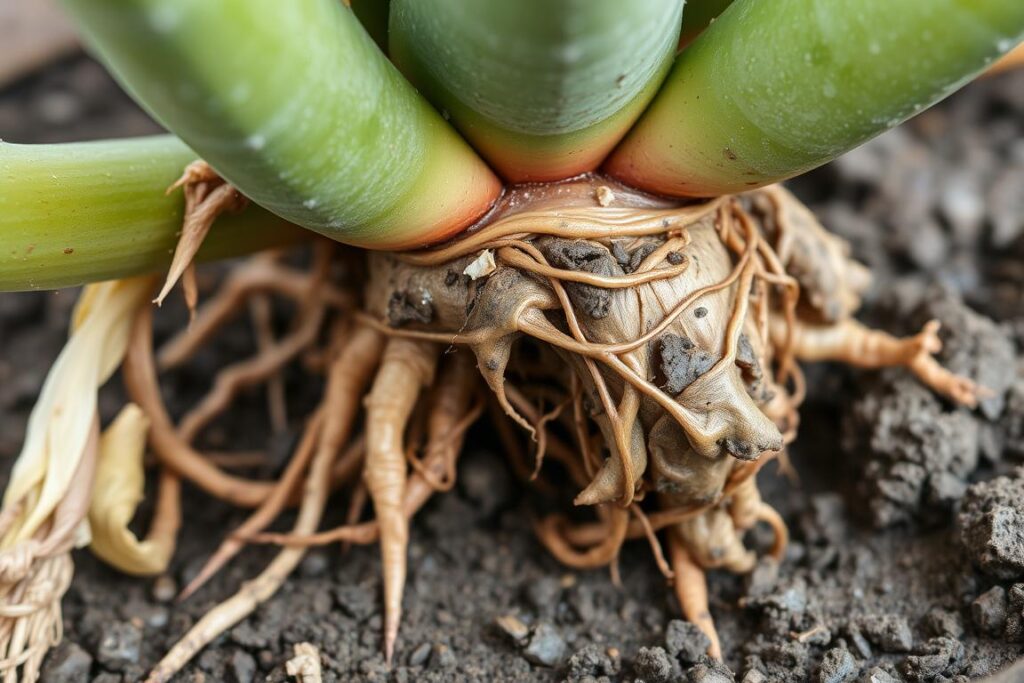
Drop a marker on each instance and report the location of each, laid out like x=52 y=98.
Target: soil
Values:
x=907 y=561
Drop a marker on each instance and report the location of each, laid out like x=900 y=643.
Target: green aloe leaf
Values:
x=83 y=212
x=542 y=88
x=295 y=105
x=773 y=89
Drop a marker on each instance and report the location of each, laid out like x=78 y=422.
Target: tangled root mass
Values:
x=649 y=348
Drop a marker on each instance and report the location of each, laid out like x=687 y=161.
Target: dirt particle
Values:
x=681 y=362
x=942 y=622
x=890 y=632
x=837 y=666
x=991 y=523
x=69 y=250
x=989 y=611
x=241 y=667
x=419 y=656
x=443 y=657
x=653 y=665
x=68 y=663
x=587 y=257
x=940 y=657
x=119 y=645
x=546 y=646
x=710 y=671
x=410 y=307
x=590 y=663
x=685 y=641
x=729 y=154
x=164 y=588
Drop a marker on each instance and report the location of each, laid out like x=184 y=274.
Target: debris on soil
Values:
x=991 y=523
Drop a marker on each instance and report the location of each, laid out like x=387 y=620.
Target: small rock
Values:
x=419 y=656
x=443 y=657
x=878 y=675
x=67 y=663
x=859 y=642
x=164 y=588
x=685 y=641
x=513 y=627
x=119 y=645
x=941 y=622
x=653 y=665
x=889 y=632
x=837 y=666
x=754 y=676
x=242 y=667
x=546 y=646
x=989 y=611
x=359 y=602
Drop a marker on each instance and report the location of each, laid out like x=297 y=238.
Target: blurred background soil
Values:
x=907 y=561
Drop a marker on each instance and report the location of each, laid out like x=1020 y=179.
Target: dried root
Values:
x=647 y=348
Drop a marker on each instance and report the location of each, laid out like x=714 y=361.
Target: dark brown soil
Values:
x=903 y=566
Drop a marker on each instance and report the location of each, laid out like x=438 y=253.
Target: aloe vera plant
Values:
x=580 y=195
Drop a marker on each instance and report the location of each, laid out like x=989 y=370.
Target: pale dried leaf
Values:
x=59 y=426
x=119 y=488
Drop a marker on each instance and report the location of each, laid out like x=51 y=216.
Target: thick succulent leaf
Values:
x=543 y=89
x=83 y=212
x=294 y=104
x=772 y=89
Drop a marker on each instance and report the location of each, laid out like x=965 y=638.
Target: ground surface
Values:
x=880 y=583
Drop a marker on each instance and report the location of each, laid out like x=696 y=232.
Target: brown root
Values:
x=406 y=368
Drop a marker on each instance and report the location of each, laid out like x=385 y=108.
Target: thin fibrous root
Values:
x=348 y=377
x=253 y=593
x=406 y=368
x=206 y=197
x=259 y=275
x=261 y=314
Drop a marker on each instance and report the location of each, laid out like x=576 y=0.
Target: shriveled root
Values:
x=406 y=368
x=691 y=588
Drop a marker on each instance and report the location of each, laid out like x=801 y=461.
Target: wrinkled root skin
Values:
x=649 y=349
x=735 y=295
